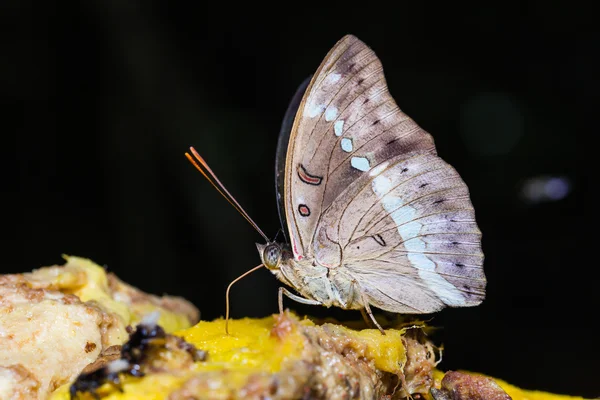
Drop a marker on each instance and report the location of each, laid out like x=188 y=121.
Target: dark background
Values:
x=100 y=100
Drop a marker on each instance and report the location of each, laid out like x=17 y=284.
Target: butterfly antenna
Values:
x=210 y=176
x=227 y=294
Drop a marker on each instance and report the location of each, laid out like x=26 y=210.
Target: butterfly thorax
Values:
x=328 y=286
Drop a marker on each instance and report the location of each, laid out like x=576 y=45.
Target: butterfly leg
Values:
x=368 y=308
x=292 y=296
x=368 y=322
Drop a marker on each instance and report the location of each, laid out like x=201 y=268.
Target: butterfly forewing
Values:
x=346 y=124
x=366 y=193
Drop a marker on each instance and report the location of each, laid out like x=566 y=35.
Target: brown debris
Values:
x=109 y=354
x=418 y=370
x=174 y=354
x=282 y=327
x=462 y=386
x=90 y=346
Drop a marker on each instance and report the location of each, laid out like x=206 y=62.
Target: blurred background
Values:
x=100 y=99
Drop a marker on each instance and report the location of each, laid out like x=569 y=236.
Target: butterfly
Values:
x=374 y=216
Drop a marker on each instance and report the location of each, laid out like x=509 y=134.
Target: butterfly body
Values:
x=374 y=216
x=327 y=286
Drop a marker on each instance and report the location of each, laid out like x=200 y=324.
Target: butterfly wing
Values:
x=282 y=145
x=408 y=236
x=413 y=247
x=347 y=123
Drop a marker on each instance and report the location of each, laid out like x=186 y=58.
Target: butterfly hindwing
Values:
x=408 y=224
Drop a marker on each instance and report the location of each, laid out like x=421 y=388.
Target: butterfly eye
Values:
x=272 y=256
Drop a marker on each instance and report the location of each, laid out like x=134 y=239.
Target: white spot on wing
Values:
x=346 y=145
x=338 y=127
x=331 y=113
x=381 y=185
x=313 y=110
x=441 y=287
x=335 y=77
x=378 y=169
x=360 y=163
x=409 y=230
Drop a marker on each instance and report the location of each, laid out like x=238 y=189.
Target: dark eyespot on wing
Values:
x=308 y=178
x=304 y=210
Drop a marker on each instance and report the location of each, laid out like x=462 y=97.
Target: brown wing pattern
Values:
x=346 y=124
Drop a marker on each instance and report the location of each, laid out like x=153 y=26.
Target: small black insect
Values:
x=134 y=350
x=91 y=381
x=133 y=354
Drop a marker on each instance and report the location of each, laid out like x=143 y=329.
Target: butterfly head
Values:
x=271 y=254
